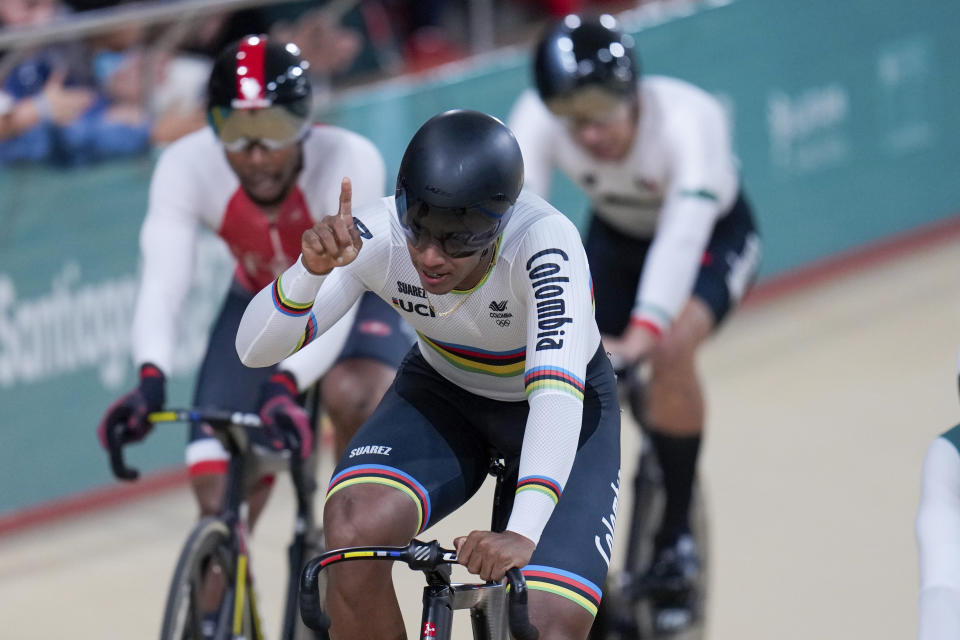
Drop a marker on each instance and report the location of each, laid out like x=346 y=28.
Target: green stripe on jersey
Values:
x=706 y=194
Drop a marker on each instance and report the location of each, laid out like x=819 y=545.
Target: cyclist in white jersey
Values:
x=938 y=538
x=508 y=362
x=257 y=177
x=672 y=243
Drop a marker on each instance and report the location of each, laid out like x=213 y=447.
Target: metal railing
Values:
x=101 y=21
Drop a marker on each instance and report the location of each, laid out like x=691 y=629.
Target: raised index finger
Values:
x=346 y=194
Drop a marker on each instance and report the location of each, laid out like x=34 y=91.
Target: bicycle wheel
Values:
x=650 y=500
x=622 y=614
x=625 y=613
x=191 y=601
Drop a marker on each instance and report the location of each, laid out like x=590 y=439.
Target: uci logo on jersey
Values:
x=548 y=291
x=419 y=308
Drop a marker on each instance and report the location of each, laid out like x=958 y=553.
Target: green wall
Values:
x=844 y=112
x=845 y=124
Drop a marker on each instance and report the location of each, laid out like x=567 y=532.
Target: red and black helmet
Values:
x=259 y=91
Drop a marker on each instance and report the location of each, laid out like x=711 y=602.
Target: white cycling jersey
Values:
x=193 y=186
x=679 y=177
x=526 y=331
x=938 y=538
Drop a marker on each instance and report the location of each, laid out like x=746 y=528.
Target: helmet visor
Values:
x=273 y=127
x=458 y=232
x=589 y=101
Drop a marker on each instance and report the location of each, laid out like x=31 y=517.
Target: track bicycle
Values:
x=495 y=607
x=212 y=583
x=632 y=608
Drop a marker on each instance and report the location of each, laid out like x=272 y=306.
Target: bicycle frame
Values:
x=231 y=429
x=492 y=609
x=233 y=515
x=487 y=604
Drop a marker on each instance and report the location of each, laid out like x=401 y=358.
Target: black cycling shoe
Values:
x=671 y=584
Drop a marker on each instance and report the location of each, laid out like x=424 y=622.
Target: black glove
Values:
x=131 y=409
x=283 y=417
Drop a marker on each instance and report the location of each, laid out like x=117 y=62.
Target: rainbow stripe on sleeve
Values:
x=563 y=583
x=547 y=486
x=390 y=477
x=285 y=305
x=309 y=333
x=554 y=378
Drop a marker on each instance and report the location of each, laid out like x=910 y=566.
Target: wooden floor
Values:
x=821 y=406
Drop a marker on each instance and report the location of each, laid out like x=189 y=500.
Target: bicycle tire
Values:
x=654 y=503
x=209 y=539
x=620 y=616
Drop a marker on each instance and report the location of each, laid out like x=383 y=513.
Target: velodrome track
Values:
x=821 y=401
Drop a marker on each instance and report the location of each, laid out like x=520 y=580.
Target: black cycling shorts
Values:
x=616 y=263
x=433 y=441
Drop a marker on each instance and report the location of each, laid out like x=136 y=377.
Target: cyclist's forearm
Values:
x=674 y=259
x=549 y=448
x=274 y=323
x=167 y=248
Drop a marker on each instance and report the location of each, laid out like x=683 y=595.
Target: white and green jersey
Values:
x=526 y=331
x=678 y=178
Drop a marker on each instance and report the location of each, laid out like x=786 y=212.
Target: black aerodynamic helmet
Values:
x=259 y=91
x=582 y=54
x=459 y=178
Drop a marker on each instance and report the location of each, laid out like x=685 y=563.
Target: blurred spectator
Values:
x=328 y=47
x=426 y=40
x=119 y=94
x=80 y=102
x=36 y=90
x=161 y=91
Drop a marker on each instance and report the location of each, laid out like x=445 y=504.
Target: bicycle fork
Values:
x=244 y=590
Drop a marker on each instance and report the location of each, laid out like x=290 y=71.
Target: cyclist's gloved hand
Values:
x=283 y=415
x=131 y=409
